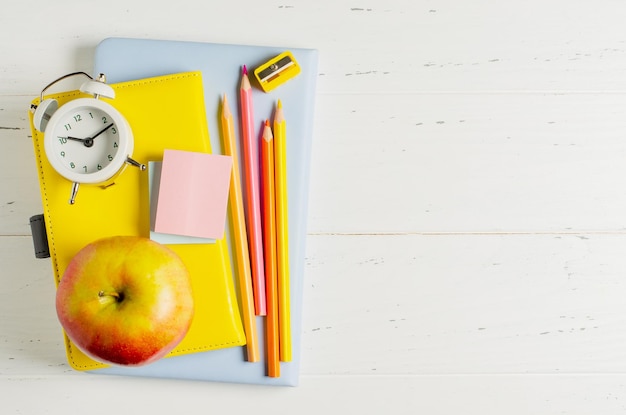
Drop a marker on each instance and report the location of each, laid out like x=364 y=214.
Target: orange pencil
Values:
x=282 y=232
x=269 y=246
x=240 y=236
x=253 y=208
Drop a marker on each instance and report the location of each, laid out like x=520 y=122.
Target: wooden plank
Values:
x=468 y=163
x=19 y=188
x=437 y=395
x=32 y=342
x=464 y=304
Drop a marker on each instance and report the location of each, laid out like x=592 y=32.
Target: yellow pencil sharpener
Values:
x=277 y=71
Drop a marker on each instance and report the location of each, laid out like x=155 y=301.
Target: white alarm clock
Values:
x=86 y=140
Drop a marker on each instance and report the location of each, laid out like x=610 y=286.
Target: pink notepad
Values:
x=193 y=194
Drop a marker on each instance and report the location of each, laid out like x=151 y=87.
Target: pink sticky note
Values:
x=193 y=194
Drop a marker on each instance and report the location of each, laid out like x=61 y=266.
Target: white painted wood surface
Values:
x=467 y=228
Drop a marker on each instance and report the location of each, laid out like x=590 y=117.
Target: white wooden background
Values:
x=467 y=228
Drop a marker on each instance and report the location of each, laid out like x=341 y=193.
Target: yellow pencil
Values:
x=282 y=233
x=240 y=237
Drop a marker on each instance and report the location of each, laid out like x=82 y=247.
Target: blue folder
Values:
x=124 y=59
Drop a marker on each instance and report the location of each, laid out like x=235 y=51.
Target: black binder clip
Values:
x=40 y=237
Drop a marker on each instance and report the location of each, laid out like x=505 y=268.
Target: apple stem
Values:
x=118 y=297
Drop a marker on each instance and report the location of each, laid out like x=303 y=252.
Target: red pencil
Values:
x=269 y=245
x=253 y=209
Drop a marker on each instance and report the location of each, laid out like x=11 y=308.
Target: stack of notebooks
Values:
x=171 y=93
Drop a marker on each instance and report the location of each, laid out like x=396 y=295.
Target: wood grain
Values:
x=467 y=206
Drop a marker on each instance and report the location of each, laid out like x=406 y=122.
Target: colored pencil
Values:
x=269 y=247
x=282 y=232
x=240 y=236
x=253 y=209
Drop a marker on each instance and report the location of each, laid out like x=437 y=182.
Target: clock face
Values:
x=87 y=141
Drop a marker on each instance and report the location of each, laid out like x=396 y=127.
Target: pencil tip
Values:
x=245 y=70
x=267 y=131
x=225 y=108
x=279 y=104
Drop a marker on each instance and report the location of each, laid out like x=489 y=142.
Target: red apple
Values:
x=125 y=300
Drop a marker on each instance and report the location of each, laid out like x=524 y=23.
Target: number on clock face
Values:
x=86 y=140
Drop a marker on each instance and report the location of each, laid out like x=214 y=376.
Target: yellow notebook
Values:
x=165 y=112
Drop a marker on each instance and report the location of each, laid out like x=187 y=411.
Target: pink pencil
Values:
x=253 y=203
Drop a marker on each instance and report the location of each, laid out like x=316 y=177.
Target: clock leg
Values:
x=132 y=162
x=75 y=186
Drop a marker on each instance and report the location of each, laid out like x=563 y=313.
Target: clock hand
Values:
x=82 y=140
x=103 y=130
